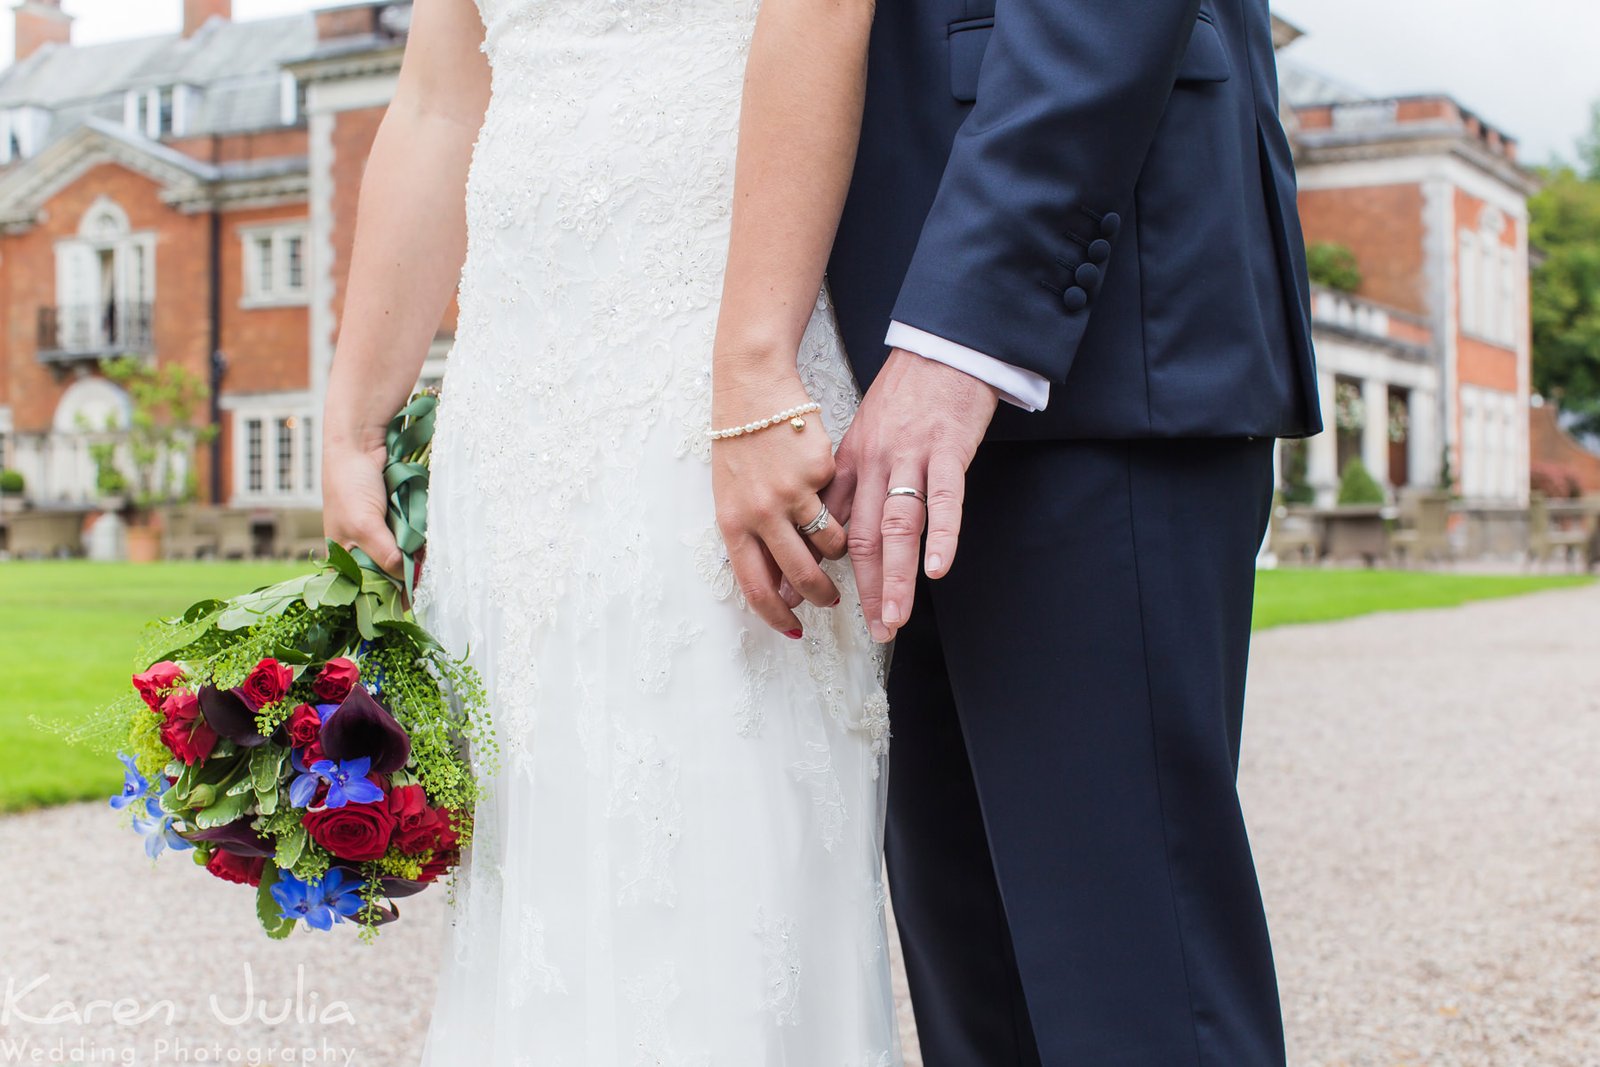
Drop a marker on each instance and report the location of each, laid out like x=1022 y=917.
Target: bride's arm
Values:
x=799 y=123
x=410 y=241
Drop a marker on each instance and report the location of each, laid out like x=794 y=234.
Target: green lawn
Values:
x=1291 y=596
x=68 y=632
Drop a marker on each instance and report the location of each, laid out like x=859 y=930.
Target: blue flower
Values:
x=347 y=783
x=134 y=784
x=321 y=902
x=157 y=829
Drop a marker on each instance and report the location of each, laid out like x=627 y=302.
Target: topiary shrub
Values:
x=1358 y=486
x=11 y=482
x=1334 y=265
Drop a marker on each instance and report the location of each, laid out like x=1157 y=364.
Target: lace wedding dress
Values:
x=677 y=860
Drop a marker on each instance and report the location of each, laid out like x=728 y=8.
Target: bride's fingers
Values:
x=828 y=541
x=799 y=565
x=758 y=581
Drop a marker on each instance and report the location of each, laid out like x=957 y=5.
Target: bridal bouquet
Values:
x=308 y=738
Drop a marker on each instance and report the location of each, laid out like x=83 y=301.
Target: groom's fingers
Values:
x=865 y=538
x=947 y=488
x=904 y=519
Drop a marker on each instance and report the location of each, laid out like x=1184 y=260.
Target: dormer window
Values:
x=22 y=131
x=156 y=111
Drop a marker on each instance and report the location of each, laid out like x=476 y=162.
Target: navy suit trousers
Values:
x=1067 y=856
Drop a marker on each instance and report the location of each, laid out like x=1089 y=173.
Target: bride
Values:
x=677 y=860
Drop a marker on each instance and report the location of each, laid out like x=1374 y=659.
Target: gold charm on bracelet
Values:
x=792 y=415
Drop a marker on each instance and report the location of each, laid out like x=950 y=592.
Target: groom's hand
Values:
x=918 y=427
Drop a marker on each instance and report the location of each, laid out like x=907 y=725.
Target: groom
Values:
x=1076 y=221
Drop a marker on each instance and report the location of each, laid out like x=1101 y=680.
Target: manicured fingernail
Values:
x=891 y=613
x=794 y=634
x=934 y=563
x=836 y=601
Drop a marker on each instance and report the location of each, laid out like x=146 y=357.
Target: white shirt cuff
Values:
x=1026 y=389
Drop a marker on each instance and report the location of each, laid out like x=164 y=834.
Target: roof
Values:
x=236 y=65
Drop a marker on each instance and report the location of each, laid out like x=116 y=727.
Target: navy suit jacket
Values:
x=1097 y=190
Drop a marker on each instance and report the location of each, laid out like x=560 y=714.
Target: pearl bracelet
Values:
x=792 y=416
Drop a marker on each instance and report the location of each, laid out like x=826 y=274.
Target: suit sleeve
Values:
x=1016 y=244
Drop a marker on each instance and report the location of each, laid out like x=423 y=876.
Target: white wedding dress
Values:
x=678 y=858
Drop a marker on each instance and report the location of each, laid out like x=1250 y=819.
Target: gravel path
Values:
x=1424 y=795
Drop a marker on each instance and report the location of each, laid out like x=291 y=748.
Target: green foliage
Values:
x=1296 y=488
x=11 y=481
x=1333 y=265
x=1358 y=486
x=162 y=424
x=1564 y=226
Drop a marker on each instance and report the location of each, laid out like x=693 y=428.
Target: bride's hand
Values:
x=355 y=504
x=767 y=484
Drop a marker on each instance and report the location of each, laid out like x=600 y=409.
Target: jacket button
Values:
x=1110 y=224
x=1099 y=251
x=1075 y=299
x=1087 y=275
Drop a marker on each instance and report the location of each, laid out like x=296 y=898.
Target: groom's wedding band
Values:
x=906 y=490
x=818 y=524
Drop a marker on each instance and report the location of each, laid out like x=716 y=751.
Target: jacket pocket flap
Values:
x=1206 y=59
x=968 y=39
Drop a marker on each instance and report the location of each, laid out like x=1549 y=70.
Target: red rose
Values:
x=409 y=806
x=267 y=683
x=305 y=725
x=445 y=843
x=353 y=832
x=311 y=753
x=154 y=683
x=440 y=865
x=337 y=676
x=244 y=870
x=185 y=732
x=420 y=838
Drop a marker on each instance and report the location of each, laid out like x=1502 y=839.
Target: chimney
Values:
x=38 y=23
x=196 y=12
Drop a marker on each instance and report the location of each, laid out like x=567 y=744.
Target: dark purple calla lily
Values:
x=231 y=715
x=363 y=727
x=237 y=837
x=401 y=887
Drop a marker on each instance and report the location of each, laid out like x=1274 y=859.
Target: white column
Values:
x=1322 y=451
x=1375 y=435
x=1424 y=439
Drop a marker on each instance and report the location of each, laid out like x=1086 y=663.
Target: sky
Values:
x=1531 y=67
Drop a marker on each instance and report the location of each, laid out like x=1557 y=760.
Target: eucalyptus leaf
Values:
x=290 y=847
x=224 y=811
x=267 y=911
x=364 y=619
x=342 y=561
x=266 y=767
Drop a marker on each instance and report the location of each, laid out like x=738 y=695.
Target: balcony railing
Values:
x=86 y=331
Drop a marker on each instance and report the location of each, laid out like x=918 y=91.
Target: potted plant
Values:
x=160 y=430
x=11 y=486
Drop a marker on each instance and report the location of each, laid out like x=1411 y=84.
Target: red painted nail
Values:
x=796 y=634
x=836 y=601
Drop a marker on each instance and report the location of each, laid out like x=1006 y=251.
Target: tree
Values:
x=1334 y=265
x=1564 y=225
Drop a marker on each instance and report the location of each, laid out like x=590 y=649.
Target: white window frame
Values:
x=286 y=481
x=273 y=289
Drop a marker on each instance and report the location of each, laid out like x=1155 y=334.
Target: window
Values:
x=286 y=455
x=255 y=462
x=275 y=461
x=308 y=451
x=275 y=265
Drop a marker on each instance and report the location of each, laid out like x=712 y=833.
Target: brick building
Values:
x=1427 y=361
x=188 y=197
x=191 y=197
